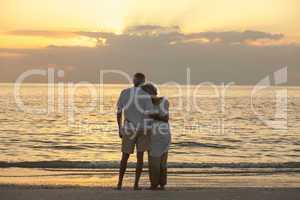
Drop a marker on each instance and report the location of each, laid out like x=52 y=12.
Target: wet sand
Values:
x=73 y=184
x=93 y=193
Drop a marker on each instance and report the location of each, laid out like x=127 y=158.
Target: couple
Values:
x=145 y=126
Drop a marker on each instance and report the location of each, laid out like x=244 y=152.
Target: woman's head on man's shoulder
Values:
x=150 y=88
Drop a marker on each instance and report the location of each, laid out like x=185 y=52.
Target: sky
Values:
x=218 y=40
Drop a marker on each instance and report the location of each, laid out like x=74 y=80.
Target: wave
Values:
x=115 y=164
x=207 y=145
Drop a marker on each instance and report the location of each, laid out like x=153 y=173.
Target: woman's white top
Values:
x=161 y=134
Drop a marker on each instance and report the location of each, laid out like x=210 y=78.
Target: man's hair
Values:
x=139 y=79
x=140 y=76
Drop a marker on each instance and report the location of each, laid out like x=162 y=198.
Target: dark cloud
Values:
x=96 y=34
x=152 y=29
x=235 y=36
x=171 y=34
x=163 y=57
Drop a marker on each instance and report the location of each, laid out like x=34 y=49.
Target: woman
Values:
x=160 y=138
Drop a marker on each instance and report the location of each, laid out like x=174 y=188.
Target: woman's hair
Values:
x=149 y=88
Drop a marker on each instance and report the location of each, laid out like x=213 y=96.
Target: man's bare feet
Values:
x=136 y=187
x=119 y=186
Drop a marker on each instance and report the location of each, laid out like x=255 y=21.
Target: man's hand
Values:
x=120 y=125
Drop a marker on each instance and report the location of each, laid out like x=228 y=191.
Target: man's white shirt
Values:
x=135 y=102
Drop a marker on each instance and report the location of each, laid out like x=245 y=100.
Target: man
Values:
x=133 y=102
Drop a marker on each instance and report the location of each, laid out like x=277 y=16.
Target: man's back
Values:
x=134 y=102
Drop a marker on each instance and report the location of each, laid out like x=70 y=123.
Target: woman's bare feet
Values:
x=153 y=187
x=162 y=187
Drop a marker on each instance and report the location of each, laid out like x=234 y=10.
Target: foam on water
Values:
x=114 y=164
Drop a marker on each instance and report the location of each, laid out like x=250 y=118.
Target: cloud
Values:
x=175 y=35
x=10 y=55
x=96 y=34
x=152 y=29
x=163 y=57
x=235 y=36
x=169 y=34
x=45 y=33
x=214 y=62
x=42 y=33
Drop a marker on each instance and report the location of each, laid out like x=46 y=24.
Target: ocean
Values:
x=213 y=127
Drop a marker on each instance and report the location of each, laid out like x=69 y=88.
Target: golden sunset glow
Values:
x=128 y=99
x=279 y=16
x=40 y=41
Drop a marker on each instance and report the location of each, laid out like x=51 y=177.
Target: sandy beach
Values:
x=91 y=193
x=89 y=184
